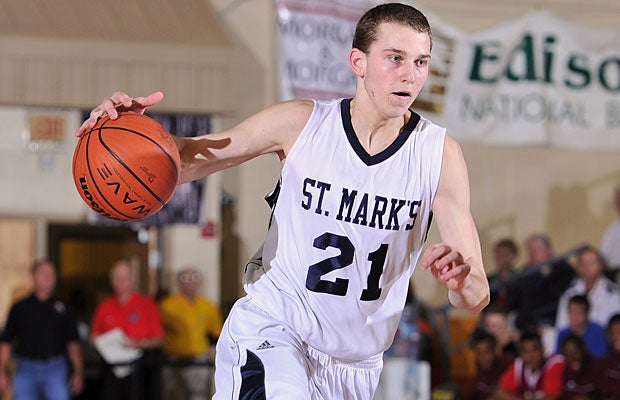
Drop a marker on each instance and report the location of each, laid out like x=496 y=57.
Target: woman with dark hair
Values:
x=579 y=372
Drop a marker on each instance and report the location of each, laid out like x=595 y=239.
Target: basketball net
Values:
x=45 y=136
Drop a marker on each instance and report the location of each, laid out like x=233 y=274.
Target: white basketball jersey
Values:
x=346 y=232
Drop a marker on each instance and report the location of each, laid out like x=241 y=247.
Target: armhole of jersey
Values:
x=439 y=152
x=301 y=137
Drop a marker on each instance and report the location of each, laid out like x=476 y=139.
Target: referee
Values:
x=43 y=331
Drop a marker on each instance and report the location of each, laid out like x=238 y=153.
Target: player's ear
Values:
x=357 y=61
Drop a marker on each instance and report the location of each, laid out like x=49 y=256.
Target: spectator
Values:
x=490 y=365
x=192 y=324
x=404 y=375
x=532 y=376
x=592 y=334
x=610 y=248
x=603 y=294
x=495 y=321
x=505 y=255
x=609 y=371
x=579 y=372
x=137 y=316
x=44 y=332
x=534 y=294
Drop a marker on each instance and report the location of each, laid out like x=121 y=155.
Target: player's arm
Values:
x=272 y=130
x=457 y=261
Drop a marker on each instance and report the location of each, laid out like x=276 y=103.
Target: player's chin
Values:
x=401 y=100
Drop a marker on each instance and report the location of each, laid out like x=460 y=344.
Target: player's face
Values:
x=396 y=68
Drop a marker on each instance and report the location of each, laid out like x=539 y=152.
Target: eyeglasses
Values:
x=194 y=277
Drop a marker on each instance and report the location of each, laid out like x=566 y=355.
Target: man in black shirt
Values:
x=43 y=332
x=535 y=293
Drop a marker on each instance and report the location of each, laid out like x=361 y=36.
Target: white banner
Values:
x=535 y=80
x=315 y=38
x=531 y=81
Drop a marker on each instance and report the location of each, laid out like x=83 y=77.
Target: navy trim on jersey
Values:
x=252 y=378
x=357 y=146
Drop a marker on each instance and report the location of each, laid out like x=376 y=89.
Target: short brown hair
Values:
x=367 y=26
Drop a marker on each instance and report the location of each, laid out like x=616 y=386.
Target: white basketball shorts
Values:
x=258 y=357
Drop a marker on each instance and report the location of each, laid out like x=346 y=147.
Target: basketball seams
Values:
x=122 y=163
x=163 y=149
x=92 y=178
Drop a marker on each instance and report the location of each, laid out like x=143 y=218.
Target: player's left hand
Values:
x=447 y=265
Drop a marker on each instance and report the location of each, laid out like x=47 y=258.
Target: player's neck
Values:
x=374 y=131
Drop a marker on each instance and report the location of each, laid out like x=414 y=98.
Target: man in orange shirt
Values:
x=137 y=316
x=192 y=325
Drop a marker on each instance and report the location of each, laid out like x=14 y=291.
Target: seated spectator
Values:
x=495 y=321
x=490 y=365
x=404 y=376
x=579 y=372
x=609 y=368
x=534 y=294
x=593 y=334
x=609 y=243
x=505 y=254
x=532 y=376
x=603 y=294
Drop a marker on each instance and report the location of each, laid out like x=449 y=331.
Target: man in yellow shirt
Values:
x=192 y=324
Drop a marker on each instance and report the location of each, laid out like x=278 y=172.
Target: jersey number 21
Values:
x=345 y=258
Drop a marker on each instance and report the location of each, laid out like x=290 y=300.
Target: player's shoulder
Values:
x=292 y=110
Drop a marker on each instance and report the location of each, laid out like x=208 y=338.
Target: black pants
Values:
x=142 y=384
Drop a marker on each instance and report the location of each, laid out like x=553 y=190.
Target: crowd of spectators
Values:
x=552 y=330
x=138 y=342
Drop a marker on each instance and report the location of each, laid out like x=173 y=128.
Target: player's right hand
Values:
x=119 y=101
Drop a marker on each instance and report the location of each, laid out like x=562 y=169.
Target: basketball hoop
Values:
x=45 y=136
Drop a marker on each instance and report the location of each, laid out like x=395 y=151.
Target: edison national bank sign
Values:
x=535 y=80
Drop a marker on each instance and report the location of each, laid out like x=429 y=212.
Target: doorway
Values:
x=84 y=254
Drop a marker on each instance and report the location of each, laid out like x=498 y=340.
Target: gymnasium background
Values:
x=218 y=58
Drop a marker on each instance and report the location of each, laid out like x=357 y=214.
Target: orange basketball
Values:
x=126 y=169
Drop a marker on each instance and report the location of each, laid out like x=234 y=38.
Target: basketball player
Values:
x=360 y=181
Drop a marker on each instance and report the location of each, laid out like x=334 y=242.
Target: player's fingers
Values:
x=151 y=99
x=95 y=114
x=429 y=256
x=448 y=259
x=121 y=98
x=459 y=272
x=86 y=125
